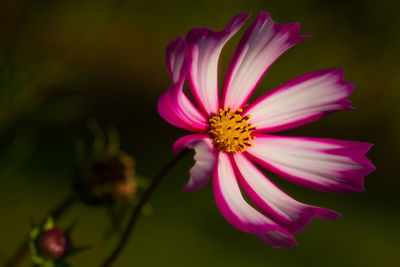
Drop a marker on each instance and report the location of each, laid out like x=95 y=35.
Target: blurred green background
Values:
x=64 y=62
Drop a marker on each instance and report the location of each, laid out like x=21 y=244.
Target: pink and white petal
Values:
x=175 y=56
x=205 y=47
x=322 y=164
x=277 y=239
x=273 y=202
x=263 y=43
x=173 y=105
x=205 y=159
x=176 y=108
x=233 y=206
x=301 y=101
x=169 y=113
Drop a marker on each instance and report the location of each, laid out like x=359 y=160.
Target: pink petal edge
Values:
x=322 y=164
x=273 y=202
x=237 y=211
x=173 y=105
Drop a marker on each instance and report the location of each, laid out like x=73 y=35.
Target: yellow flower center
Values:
x=230 y=131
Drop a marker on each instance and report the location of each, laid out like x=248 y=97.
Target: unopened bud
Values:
x=55 y=243
x=110 y=169
x=110 y=176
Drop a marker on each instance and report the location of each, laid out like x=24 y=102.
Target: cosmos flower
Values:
x=230 y=135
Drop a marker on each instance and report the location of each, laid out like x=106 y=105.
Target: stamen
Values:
x=230 y=131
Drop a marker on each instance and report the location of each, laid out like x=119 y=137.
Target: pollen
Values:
x=230 y=130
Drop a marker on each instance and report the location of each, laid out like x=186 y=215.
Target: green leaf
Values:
x=71 y=227
x=49 y=263
x=38 y=260
x=79 y=249
x=34 y=233
x=98 y=136
x=49 y=224
x=113 y=141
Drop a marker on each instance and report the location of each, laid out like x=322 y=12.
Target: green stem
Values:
x=135 y=215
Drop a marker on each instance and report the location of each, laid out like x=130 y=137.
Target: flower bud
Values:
x=109 y=177
x=55 y=243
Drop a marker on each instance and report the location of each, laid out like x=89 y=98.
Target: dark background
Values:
x=64 y=62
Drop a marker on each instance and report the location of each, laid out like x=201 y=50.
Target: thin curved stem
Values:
x=55 y=213
x=135 y=215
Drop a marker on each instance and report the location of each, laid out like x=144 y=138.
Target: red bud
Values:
x=55 y=243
